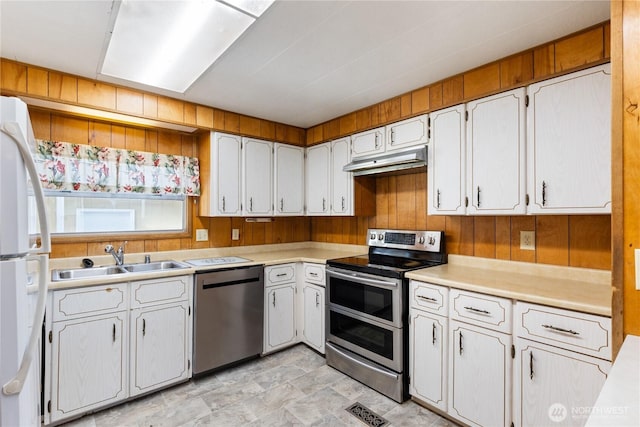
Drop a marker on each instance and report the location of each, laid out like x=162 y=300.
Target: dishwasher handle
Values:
x=230 y=283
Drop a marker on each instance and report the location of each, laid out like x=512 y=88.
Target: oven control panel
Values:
x=403 y=239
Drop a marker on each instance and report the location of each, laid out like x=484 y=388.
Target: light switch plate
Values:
x=528 y=240
x=235 y=234
x=637 y=251
x=202 y=234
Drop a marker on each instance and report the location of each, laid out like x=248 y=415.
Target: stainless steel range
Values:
x=367 y=307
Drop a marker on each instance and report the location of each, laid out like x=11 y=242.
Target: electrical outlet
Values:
x=202 y=234
x=528 y=240
x=235 y=234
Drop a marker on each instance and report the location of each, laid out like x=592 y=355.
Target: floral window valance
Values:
x=64 y=166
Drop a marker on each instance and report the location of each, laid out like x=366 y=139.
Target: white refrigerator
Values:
x=23 y=269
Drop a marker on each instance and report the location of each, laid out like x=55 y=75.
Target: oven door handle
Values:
x=367 y=280
x=363 y=364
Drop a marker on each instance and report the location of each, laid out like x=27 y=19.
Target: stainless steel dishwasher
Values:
x=228 y=317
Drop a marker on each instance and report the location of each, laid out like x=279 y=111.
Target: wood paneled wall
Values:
x=585 y=48
x=48 y=125
x=577 y=241
x=22 y=79
x=625 y=61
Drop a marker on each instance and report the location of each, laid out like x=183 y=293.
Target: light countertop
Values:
x=315 y=252
x=619 y=401
x=579 y=289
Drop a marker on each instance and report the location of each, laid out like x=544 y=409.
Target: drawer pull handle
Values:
x=531 y=364
x=477 y=310
x=433 y=333
x=566 y=331
x=427 y=298
x=313 y=274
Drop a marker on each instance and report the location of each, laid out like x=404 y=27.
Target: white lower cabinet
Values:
x=89 y=364
x=428 y=358
x=160 y=351
x=280 y=318
x=553 y=386
x=99 y=352
x=313 y=313
x=479 y=376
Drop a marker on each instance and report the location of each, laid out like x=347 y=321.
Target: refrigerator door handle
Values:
x=12 y=129
x=14 y=386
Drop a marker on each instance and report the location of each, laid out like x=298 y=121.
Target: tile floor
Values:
x=293 y=387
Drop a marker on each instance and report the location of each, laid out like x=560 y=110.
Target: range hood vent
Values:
x=414 y=157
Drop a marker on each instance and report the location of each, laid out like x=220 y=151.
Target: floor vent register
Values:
x=366 y=415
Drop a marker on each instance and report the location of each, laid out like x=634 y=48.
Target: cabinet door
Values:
x=496 y=154
x=446 y=167
x=341 y=181
x=313 y=305
x=551 y=382
x=480 y=376
x=226 y=165
x=317 y=179
x=407 y=133
x=289 y=176
x=89 y=364
x=368 y=142
x=428 y=358
x=569 y=143
x=257 y=167
x=159 y=346
x=280 y=323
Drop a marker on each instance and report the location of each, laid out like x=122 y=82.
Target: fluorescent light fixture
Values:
x=169 y=44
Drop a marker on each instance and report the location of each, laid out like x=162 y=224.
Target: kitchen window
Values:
x=92 y=189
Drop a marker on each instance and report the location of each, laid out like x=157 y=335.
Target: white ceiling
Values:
x=305 y=62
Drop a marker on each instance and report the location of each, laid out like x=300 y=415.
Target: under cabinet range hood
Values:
x=399 y=160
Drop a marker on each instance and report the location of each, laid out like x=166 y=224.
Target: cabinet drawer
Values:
x=432 y=298
x=584 y=333
x=280 y=274
x=480 y=309
x=314 y=273
x=160 y=291
x=89 y=301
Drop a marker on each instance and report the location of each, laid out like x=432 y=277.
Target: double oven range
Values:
x=368 y=307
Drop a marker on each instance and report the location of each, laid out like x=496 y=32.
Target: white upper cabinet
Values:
x=226 y=163
x=407 y=133
x=446 y=164
x=569 y=143
x=318 y=179
x=368 y=142
x=341 y=181
x=257 y=183
x=289 y=179
x=496 y=154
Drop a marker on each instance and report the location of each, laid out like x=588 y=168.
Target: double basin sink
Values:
x=93 y=272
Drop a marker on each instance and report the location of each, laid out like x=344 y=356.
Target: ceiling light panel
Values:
x=169 y=44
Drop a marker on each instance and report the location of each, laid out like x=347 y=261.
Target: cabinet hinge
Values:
x=526 y=100
x=409 y=380
x=188 y=364
x=466 y=116
x=466 y=202
x=241 y=145
x=513 y=352
x=49 y=406
x=50 y=336
x=526 y=200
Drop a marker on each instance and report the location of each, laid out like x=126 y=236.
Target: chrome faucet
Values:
x=118 y=256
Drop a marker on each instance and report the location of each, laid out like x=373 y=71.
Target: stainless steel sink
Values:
x=89 y=273
x=154 y=266
x=85 y=273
